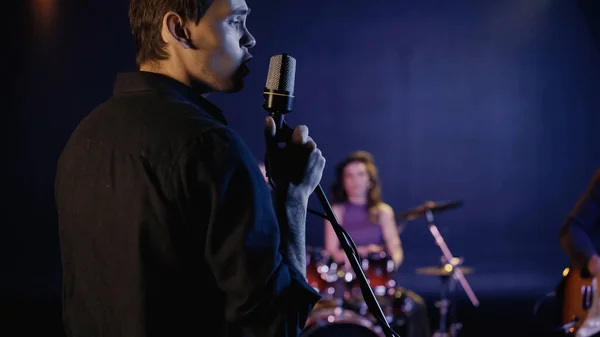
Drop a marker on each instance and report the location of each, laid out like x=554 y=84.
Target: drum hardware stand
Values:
x=446 y=306
x=448 y=281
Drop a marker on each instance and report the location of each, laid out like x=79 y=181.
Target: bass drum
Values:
x=340 y=322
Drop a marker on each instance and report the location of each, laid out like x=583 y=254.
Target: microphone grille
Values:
x=282 y=73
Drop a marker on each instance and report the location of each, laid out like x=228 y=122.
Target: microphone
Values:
x=279 y=99
x=279 y=90
x=279 y=93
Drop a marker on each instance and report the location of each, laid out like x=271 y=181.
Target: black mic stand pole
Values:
x=283 y=134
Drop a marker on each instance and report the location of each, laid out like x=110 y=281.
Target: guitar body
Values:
x=577 y=298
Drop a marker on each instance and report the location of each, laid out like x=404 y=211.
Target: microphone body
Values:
x=279 y=93
x=279 y=89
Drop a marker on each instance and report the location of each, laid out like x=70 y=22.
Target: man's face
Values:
x=220 y=43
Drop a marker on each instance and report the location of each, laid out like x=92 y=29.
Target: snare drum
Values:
x=340 y=322
x=378 y=269
x=321 y=272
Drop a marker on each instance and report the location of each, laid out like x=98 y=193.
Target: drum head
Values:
x=339 y=322
x=339 y=329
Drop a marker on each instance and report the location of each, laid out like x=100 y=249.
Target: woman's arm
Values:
x=390 y=234
x=332 y=244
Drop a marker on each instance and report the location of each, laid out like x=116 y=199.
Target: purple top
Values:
x=357 y=224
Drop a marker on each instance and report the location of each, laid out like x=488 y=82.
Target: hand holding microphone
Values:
x=301 y=145
x=299 y=163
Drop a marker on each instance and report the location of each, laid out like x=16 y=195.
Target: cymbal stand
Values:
x=446 y=305
x=449 y=282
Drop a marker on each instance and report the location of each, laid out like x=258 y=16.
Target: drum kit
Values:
x=342 y=310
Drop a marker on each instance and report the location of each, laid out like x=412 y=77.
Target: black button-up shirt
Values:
x=166 y=223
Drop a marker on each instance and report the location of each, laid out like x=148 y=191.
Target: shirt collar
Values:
x=139 y=81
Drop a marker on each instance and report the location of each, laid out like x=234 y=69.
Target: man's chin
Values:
x=235 y=86
x=236 y=82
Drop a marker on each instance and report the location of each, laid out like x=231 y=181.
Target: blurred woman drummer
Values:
x=358 y=206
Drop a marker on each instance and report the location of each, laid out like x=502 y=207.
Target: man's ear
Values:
x=175 y=30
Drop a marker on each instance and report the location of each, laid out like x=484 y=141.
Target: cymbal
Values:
x=433 y=206
x=443 y=271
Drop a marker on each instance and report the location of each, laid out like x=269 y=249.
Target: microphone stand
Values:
x=345 y=240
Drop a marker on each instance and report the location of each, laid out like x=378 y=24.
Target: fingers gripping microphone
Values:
x=279 y=99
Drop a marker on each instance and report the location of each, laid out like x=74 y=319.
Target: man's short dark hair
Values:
x=145 y=18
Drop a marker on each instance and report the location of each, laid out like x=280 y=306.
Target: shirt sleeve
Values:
x=265 y=295
x=581 y=222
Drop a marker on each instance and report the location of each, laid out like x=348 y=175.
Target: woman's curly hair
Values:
x=374 y=194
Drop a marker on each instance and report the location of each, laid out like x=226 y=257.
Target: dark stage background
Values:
x=491 y=102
